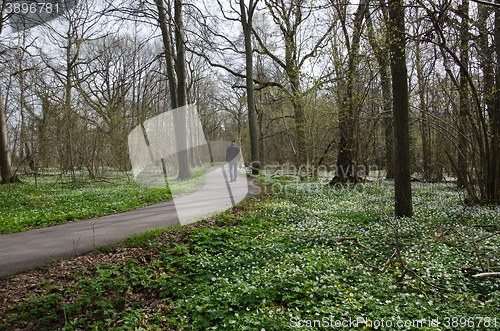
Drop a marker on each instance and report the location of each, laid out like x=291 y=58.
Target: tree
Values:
x=464 y=94
x=402 y=180
x=347 y=115
x=177 y=86
x=5 y=161
x=80 y=26
x=485 y=132
x=246 y=18
x=289 y=17
x=424 y=125
x=104 y=84
x=244 y=15
x=493 y=173
x=381 y=51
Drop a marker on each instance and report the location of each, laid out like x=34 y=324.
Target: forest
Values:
x=371 y=129
x=321 y=84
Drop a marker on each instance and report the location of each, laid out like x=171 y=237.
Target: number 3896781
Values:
x=32 y=8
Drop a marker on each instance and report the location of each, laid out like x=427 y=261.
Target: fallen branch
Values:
x=472 y=268
x=485 y=226
x=389 y=260
x=486 y=237
x=487 y=274
x=411 y=272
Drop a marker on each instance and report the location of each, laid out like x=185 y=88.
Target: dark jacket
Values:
x=233 y=153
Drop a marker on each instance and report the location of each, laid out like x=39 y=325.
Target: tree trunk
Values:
x=246 y=22
x=424 y=125
x=181 y=118
x=381 y=54
x=5 y=164
x=347 y=124
x=485 y=57
x=402 y=181
x=177 y=88
x=464 y=95
x=300 y=123
x=67 y=106
x=23 y=146
x=167 y=45
x=493 y=180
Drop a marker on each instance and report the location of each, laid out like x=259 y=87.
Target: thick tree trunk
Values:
x=177 y=88
x=347 y=123
x=300 y=126
x=181 y=120
x=5 y=164
x=493 y=179
x=485 y=57
x=246 y=22
x=167 y=45
x=180 y=61
x=464 y=94
x=402 y=182
x=344 y=158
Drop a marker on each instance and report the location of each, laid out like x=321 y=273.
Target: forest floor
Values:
x=52 y=199
x=299 y=256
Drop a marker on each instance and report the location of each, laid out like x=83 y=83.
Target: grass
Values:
x=23 y=207
x=289 y=262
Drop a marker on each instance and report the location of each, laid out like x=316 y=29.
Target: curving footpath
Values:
x=27 y=250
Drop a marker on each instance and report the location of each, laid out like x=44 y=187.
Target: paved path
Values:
x=26 y=250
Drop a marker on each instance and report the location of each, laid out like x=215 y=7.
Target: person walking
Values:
x=232 y=157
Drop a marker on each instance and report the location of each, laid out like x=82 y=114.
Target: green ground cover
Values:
x=307 y=257
x=57 y=201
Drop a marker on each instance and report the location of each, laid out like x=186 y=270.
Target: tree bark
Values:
x=167 y=45
x=177 y=88
x=246 y=22
x=402 y=181
x=347 y=123
x=486 y=59
x=181 y=118
x=289 y=16
x=464 y=94
x=424 y=125
x=381 y=54
x=493 y=179
x=67 y=106
x=5 y=163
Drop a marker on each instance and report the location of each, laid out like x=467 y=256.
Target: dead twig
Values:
x=389 y=260
x=485 y=237
x=485 y=226
x=487 y=274
x=472 y=268
x=404 y=268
